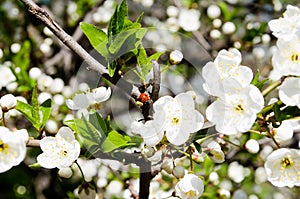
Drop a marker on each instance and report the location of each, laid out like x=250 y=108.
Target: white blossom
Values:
x=6 y=76
x=12 y=148
x=284 y=132
x=189 y=19
x=59 y=151
x=236 y=111
x=289 y=91
x=286 y=58
x=226 y=65
x=282 y=167
x=189 y=187
x=83 y=101
x=288 y=25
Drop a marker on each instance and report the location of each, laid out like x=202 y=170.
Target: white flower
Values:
x=189 y=19
x=57 y=85
x=44 y=82
x=289 y=91
x=226 y=65
x=178 y=117
x=98 y=95
x=175 y=117
x=175 y=57
x=8 y=102
x=6 y=76
x=282 y=167
x=288 y=25
x=83 y=101
x=189 y=187
x=12 y=148
x=59 y=151
x=236 y=111
x=286 y=58
x=236 y=172
x=284 y=132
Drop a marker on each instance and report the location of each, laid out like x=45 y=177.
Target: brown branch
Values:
x=156 y=80
x=44 y=17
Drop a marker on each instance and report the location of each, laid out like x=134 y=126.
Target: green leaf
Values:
x=45 y=109
x=257 y=83
x=155 y=56
x=35 y=165
x=111 y=69
x=99 y=123
x=277 y=112
x=122 y=15
x=197 y=146
x=120 y=39
x=113 y=24
x=35 y=109
x=140 y=17
x=26 y=110
x=87 y=134
x=115 y=140
x=22 y=58
x=95 y=35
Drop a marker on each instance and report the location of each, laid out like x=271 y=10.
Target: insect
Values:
x=144 y=97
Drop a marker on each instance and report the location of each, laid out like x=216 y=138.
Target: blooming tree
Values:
x=170 y=138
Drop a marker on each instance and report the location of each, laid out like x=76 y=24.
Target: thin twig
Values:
x=33 y=143
x=44 y=17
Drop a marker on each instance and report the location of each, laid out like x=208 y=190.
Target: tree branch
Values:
x=156 y=80
x=44 y=17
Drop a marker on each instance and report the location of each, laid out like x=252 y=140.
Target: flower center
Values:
x=191 y=193
x=287 y=162
x=3 y=146
x=295 y=57
x=64 y=153
x=239 y=107
x=175 y=120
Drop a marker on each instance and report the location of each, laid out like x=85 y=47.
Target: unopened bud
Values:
x=179 y=171
x=176 y=57
x=252 y=146
x=65 y=172
x=8 y=102
x=168 y=166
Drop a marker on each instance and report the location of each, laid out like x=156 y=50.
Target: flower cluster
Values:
x=282 y=165
x=238 y=101
x=176 y=118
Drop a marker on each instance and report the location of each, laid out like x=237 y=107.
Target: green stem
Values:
x=266 y=110
x=80 y=170
x=271 y=87
x=272 y=137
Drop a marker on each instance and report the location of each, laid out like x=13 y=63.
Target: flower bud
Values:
x=65 y=172
x=8 y=102
x=252 y=146
x=175 y=57
x=179 y=171
x=168 y=166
